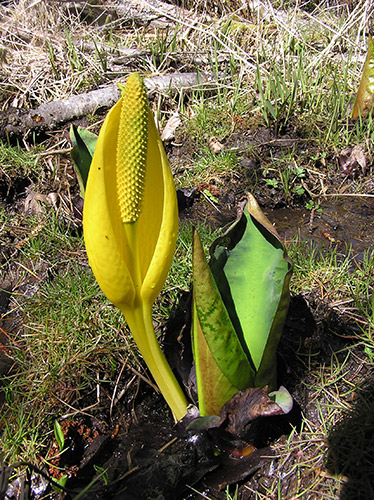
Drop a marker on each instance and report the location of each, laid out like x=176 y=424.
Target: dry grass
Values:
x=49 y=53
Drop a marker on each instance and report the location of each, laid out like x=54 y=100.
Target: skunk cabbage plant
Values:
x=364 y=101
x=240 y=303
x=130 y=224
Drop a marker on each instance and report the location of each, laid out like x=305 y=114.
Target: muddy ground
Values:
x=145 y=456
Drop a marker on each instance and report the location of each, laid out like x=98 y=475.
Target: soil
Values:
x=144 y=454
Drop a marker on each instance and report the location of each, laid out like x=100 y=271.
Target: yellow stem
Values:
x=140 y=322
x=139 y=319
x=131 y=230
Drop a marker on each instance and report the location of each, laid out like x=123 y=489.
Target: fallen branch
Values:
x=135 y=11
x=20 y=122
x=156 y=12
x=359 y=195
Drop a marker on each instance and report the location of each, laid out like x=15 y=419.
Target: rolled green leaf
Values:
x=252 y=272
x=84 y=144
x=240 y=304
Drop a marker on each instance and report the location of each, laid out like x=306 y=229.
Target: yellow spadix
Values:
x=130 y=223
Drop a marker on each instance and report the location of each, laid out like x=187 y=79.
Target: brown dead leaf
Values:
x=214 y=145
x=171 y=126
x=359 y=154
x=353 y=159
x=32 y=205
x=52 y=198
x=246 y=406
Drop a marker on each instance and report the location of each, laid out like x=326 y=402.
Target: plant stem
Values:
x=140 y=322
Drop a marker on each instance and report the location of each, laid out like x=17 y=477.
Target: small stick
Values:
x=311 y=220
x=116 y=386
x=350 y=194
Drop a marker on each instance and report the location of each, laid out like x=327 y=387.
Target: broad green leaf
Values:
x=84 y=144
x=213 y=388
x=252 y=274
x=215 y=322
x=364 y=101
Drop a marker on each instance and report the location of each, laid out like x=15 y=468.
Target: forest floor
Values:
x=268 y=113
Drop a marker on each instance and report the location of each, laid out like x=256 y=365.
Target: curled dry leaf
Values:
x=214 y=145
x=246 y=406
x=171 y=126
x=52 y=198
x=32 y=205
x=353 y=159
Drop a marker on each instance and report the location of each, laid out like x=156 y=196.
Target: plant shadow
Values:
x=351 y=447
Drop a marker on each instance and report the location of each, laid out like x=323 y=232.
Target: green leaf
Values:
x=239 y=308
x=59 y=435
x=203 y=423
x=272 y=110
x=252 y=273
x=103 y=473
x=213 y=388
x=222 y=367
x=62 y=482
x=84 y=144
x=364 y=101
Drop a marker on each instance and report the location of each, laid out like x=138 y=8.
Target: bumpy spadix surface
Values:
x=132 y=150
x=130 y=216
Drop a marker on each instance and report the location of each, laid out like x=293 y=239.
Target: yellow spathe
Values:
x=130 y=223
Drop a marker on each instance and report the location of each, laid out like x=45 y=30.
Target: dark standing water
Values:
x=347 y=220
